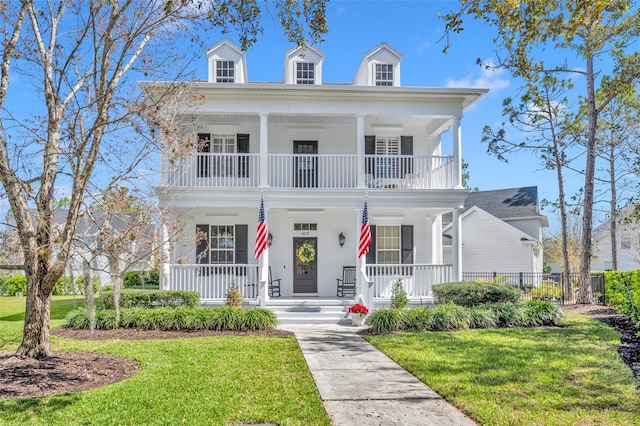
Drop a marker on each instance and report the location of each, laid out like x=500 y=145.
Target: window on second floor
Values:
x=213 y=165
x=305 y=73
x=384 y=75
x=388 y=148
x=225 y=72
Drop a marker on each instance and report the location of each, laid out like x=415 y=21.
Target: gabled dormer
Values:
x=379 y=67
x=303 y=65
x=227 y=63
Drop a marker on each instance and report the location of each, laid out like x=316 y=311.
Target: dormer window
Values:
x=384 y=75
x=305 y=73
x=225 y=71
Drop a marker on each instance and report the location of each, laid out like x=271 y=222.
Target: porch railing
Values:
x=417 y=279
x=326 y=171
x=214 y=281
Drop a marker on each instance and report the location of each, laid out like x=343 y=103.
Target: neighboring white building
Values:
x=628 y=242
x=315 y=151
x=502 y=232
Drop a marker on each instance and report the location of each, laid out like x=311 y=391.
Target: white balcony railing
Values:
x=417 y=280
x=327 y=171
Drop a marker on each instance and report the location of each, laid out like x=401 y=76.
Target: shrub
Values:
x=419 y=319
x=234 y=297
x=13 y=285
x=475 y=293
x=62 y=286
x=386 y=320
x=539 y=313
x=622 y=290
x=180 y=319
x=140 y=279
x=398 y=295
x=95 y=282
x=450 y=316
x=547 y=291
x=131 y=298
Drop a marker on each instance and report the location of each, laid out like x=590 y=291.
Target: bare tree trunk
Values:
x=613 y=206
x=585 y=292
x=89 y=295
x=35 y=340
x=116 y=281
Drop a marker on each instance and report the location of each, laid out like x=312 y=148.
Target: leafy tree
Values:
x=77 y=55
x=590 y=34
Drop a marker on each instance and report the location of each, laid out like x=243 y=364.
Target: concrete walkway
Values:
x=359 y=385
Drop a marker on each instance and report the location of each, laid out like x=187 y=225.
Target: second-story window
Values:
x=388 y=148
x=305 y=73
x=225 y=72
x=384 y=75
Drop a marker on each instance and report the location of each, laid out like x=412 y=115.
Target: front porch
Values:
x=214 y=281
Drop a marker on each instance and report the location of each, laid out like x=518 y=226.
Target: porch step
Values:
x=311 y=311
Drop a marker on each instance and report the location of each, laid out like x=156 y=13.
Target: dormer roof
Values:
x=225 y=50
x=303 y=54
x=382 y=54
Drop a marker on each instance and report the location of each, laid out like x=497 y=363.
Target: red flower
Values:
x=358 y=309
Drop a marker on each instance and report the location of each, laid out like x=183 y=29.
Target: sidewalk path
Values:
x=359 y=385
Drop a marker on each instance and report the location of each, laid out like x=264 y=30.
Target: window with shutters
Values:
x=225 y=72
x=210 y=164
x=387 y=148
x=384 y=75
x=305 y=73
x=388 y=245
x=222 y=243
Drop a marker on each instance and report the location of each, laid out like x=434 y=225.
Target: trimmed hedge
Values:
x=130 y=298
x=475 y=293
x=622 y=292
x=11 y=286
x=178 y=319
x=135 y=279
x=449 y=317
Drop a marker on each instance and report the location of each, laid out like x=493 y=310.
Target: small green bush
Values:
x=622 y=292
x=450 y=316
x=13 y=285
x=62 y=286
x=180 y=319
x=234 y=297
x=131 y=298
x=547 y=291
x=386 y=320
x=475 y=293
x=399 y=297
x=140 y=279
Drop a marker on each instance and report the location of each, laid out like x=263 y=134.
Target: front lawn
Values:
x=198 y=381
x=571 y=375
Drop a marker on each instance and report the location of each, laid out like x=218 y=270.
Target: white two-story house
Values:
x=315 y=152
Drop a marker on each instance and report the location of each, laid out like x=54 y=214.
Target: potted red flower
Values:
x=359 y=313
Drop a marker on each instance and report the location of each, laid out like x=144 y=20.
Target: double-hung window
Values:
x=384 y=74
x=222 y=244
x=225 y=71
x=388 y=244
x=305 y=73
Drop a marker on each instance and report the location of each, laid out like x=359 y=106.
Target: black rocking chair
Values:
x=347 y=285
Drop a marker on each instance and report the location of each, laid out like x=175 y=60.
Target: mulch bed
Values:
x=66 y=372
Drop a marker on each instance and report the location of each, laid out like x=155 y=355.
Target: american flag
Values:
x=365 y=233
x=261 y=232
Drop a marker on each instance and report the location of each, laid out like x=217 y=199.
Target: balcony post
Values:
x=457 y=153
x=360 y=151
x=456 y=245
x=264 y=150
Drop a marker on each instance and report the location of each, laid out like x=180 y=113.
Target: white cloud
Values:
x=486 y=78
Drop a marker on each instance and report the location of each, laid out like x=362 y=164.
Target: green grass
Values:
x=571 y=375
x=197 y=381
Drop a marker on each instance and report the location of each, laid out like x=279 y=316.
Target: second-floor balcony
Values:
x=325 y=171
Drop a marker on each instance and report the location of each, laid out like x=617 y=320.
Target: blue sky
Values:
x=414 y=29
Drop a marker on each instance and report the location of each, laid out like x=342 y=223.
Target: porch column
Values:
x=263 y=270
x=360 y=151
x=457 y=153
x=165 y=259
x=456 y=245
x=264 y=150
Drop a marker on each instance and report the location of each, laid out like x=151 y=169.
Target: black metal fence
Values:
x=558 y=287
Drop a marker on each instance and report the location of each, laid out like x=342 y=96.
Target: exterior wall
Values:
x=628 y=258
x=532 y=227
x=490 y=245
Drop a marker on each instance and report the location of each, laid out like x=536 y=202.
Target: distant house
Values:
x=502 y=231
x=628 y=244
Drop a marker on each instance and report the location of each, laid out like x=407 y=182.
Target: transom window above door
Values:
x=305 y=227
